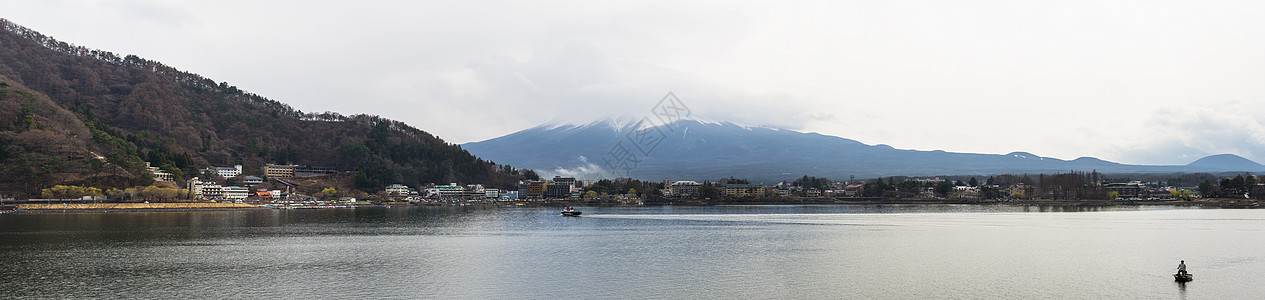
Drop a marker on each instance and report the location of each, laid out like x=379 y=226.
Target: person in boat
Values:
x=1181 y=268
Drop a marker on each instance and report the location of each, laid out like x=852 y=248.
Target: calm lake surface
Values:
x=726 y=252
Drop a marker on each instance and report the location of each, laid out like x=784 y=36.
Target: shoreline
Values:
x=125 y=207
x=42 y=208
x=97 y=211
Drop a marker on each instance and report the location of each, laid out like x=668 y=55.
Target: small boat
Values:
x=1183 y=277
x=570 y=212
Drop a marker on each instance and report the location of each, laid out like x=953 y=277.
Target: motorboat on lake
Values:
x=570 y=212
x=1183 y=277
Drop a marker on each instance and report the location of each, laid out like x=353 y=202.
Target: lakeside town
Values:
x=304 y=186
x=631 y=150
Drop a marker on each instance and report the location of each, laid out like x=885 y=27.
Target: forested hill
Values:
x=182 y=122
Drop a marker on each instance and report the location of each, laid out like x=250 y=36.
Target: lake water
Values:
x=725 y=252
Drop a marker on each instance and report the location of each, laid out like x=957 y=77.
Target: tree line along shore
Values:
x=205 y=206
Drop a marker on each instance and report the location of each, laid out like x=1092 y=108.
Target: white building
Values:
x=160 y=174
x=491 y=193
x=236 y=193
x=212 y=191
x=195 y=187
x=446 y=191
x=964 y=188
x=225 y=171
x=397 y=189
x=204 y=190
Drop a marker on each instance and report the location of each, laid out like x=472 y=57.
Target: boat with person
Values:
x=570 y=212
x=1182 y=275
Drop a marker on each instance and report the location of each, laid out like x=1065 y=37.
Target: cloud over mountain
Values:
x=694 y=149
x=970 y=76
x=1179 y=135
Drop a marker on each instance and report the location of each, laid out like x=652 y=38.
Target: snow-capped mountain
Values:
x=703 y=150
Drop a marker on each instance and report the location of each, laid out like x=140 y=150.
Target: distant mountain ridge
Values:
x=701 y=150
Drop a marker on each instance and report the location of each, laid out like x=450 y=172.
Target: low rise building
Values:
x=212 y=191
x=205 y=190
x=853 y=190
x=1017 y=190
x=235 y=193
x=448 y=192
x=225 y=172
x=195 y=187
x=534 y=189
x=313 y=171
x=744 y=190
x=685 y=188
x=160 y=174
x=287 y=171
x=397 y=189
x=566 y=180
x=252 y=180
x=264 y=195
x=279 y=171
x=558 y=190
x=1126 y=190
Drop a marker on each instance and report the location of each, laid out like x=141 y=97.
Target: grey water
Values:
x=715 y=252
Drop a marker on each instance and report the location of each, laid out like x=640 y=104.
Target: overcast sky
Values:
x=1156 y=82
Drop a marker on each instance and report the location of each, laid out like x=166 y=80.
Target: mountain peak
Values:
x=622 y=122
x=1023 y=155
x=1226 y=162
x=1088 y=159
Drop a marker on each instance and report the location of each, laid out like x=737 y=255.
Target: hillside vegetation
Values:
x=65 y=102
x=42 y=144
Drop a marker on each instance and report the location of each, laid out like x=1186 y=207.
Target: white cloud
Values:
x=1062 y=79
x=1182 y=135
x=583 y=170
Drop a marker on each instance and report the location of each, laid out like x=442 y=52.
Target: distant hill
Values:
x=181 y=122
x=1225 y=162
x=702 y=150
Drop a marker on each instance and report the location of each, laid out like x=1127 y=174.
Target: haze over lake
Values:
x=838 y=251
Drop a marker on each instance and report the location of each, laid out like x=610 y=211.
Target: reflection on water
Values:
x=816 y=251
x=1181 y=288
